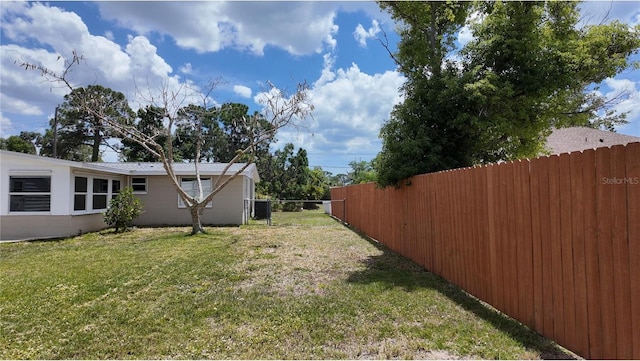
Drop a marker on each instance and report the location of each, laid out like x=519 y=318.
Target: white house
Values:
x=46 y=197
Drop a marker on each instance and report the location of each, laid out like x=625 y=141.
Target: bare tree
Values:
x=279 y=109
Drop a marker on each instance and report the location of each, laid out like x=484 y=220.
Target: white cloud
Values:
x=350 y=108
x=465 y=35
x=5 y=126
x=60 y=32
x=26 y=92
x=358 y=100
x=628 y=102
x=187 y=68
x=362 y=35
x=144 y=59
x=242 y=90
x=327 y=74
x=297 y=27
x=329 y=39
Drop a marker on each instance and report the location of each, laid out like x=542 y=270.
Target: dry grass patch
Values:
x=300 y=260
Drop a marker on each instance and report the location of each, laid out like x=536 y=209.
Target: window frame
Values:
x=115 y=190
x=80 y=193
x=22 y=193
x=90 y=193
x=101 y=190
x=145 y=184
x=207 y=190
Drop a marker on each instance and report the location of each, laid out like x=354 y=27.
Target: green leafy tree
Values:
x=317 y=187
x=223 y=130
x=235 y=134
x=196 y=128
x=24 y=143
x=288 y=174
x=34 y=138
x=527 y=70
x=67 y=148
x=149 y=121
x=423 y=132
x=361 y=172
x=123 y=210
x=338 y=180
x=83 y=121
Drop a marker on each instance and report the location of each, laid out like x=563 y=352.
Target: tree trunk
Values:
x=196 y=225
x=95 y=150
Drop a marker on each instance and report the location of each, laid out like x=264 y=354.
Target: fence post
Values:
x=344 y=210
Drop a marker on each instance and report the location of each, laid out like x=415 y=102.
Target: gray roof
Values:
x=142 y=168
x=567 y=140
x=156 y=168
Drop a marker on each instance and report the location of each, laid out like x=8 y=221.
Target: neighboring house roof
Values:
x=144 y=168
x=567 y=140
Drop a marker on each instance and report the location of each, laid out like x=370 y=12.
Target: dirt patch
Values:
x=300 y=266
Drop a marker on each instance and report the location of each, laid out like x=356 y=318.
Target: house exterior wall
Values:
x=60 y=220
x=24 y=227
x=160 y=204
x=59 y=173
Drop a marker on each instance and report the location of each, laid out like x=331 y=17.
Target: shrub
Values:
x=124 y=208
x=292 y=206
x=276 y=206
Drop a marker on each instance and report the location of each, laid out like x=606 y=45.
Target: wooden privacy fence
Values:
x=553 y=242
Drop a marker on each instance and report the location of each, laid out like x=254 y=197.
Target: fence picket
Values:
x=566 y=235
x=556 y=249
x=527 y=241
x=484 y=234
x=508 y=249
x=620 y=252
x=492 y=197
x=605 y=253
x=522 y=285
x=592 y=272
x=477 y=250
x=537 y=260
x=577 y=241
x=633 y=221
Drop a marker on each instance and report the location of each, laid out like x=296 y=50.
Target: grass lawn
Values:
x=305 y=288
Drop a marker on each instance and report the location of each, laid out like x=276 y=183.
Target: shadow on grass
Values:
x=393 y=270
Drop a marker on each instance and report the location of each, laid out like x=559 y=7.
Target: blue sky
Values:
x=331 y=45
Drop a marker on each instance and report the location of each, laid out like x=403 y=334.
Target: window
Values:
x=139 y=184
x=29 y=194
x=93 y=194
x=190 y=185
x=100 y=193
x=115 y=188
x=80 y=194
